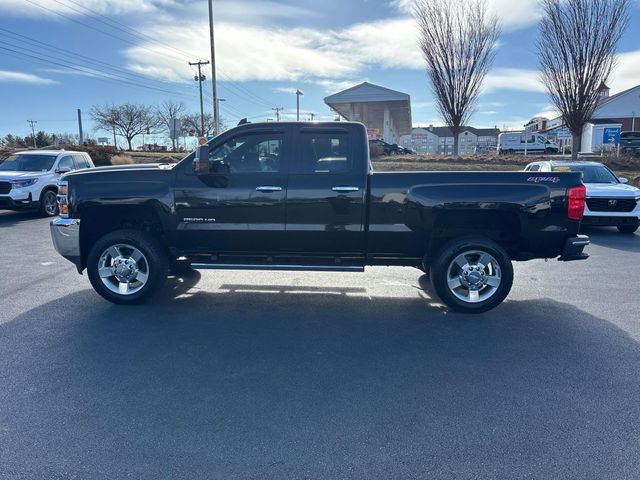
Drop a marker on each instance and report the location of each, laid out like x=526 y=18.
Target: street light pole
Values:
x=298 y=93
x=216 y=104
x=218 y=100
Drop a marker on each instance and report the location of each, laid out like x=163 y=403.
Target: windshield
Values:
x=591 y=173
x=28 y=163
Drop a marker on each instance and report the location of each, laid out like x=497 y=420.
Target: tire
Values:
x=480 y=268
x=127 y=266
x=393 y=153
x=49 y=203
x=628 y=229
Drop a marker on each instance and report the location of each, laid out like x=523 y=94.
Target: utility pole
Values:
x=200 y=78
x=115 y=142
x=33 y=131
x=277 y=110
x=298 y=93
x=216 y=103
x=80 y=127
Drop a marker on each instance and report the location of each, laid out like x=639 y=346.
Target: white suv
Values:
x=28 y=180
x=611 y=202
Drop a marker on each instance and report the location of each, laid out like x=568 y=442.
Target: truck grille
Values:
x=5 y=187
x=611 y=204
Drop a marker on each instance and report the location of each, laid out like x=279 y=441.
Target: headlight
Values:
x=24 y=183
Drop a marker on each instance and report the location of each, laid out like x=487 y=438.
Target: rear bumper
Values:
x=610 y=221
x=65 y=234
x=574 y=248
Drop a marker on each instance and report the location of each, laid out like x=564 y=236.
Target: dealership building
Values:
x=385 y=112
x=619 y=112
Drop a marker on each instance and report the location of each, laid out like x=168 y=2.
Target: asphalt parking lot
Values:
x=245 y=375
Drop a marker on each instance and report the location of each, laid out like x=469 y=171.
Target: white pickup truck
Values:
x=29 y=180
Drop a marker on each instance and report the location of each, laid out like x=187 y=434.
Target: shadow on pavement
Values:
x=274 y=383
x=611 y=238
x=9 y=218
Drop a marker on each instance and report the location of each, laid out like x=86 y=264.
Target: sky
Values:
x=60 y=55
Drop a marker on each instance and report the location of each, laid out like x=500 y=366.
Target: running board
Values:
x=282 y=268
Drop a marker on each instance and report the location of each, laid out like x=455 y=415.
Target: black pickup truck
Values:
x=303 y=196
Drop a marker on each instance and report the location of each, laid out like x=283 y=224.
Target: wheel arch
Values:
x=499 y=226
x=99 y=220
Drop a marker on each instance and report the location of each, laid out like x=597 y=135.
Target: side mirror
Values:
x=623 y=180
x=63 y=170
x=201 y=160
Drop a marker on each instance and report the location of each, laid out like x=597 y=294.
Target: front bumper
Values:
x=65 y=233
x=9 y=203
x=574 y=248
x=610 y=221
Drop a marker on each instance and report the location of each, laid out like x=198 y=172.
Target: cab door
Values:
x=326 y=192
x=238 y=204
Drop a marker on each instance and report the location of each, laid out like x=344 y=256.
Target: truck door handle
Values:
x=345 y=189
x=268 y=188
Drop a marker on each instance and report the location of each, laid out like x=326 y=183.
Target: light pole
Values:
x=216 y=104
x=217 y=125
x=298 y=93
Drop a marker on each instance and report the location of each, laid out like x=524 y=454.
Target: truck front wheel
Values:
x=472 y=275
x=127 y=266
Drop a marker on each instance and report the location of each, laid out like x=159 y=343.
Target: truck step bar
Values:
x=282 y=268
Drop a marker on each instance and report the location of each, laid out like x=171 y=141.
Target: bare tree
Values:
x=576 y=46
x=458 y=41
x=128 y=120
x=191 y=124
x=167 y=111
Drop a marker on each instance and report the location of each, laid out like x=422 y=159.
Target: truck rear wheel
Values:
x=127 y=266
x=472 y=275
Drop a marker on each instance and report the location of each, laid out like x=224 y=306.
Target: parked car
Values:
x=611 y=202
x=630 y=142
x=388 y=149
x=28 y=180
x=303 y=196
x=519 y=142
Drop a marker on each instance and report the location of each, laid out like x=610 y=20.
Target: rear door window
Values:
x=81 y=161
x=66 y=162
x=325 y=152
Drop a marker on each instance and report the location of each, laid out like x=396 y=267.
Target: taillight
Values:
x=577 y=200
x=63 y=202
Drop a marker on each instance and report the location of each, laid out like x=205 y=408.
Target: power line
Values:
x=20 y=55
x=100 y=63
x=239 y=87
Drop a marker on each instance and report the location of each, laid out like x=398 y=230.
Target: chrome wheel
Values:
x=123 y=269
x=474 y=276
x=50 y=203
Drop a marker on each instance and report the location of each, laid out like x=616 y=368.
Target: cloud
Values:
x=259 y=53
x=21 y=77
x=512 y=17
x=517 y=79
x=111 y=7
x=627 y=73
